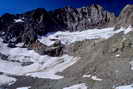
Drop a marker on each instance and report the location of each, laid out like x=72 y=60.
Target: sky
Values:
x=20 y=6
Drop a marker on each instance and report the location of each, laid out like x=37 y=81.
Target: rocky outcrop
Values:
x=54 y=50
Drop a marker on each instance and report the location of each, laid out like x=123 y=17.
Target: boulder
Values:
x=53 y=50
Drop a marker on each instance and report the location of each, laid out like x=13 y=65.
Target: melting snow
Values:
x=77 y=86
x=125 y=87
x=71 y=37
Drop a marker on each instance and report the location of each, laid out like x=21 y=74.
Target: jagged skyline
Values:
x=20 y=6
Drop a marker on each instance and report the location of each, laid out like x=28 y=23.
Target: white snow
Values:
x=71 y=37
x=20 y=44
x=24 y=88
x=125 y=87
x=4 y=79
x=86 y=76
x=92 y=77
x=42 y=67
x=46 y=40
x=77 y=86
x=117 y=55
x=131 y=63
x=18 y=20
x=96 y=78
x=129 y=29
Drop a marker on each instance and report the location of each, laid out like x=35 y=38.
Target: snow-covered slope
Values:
x=71 y=37
x=42 y=67
x=125 y=87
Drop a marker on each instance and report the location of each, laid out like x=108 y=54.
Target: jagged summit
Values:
x=126 y=16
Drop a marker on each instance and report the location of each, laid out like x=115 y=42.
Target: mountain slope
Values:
x=67 y=48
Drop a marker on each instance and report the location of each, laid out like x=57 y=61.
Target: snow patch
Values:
x=96 y=78
x=20 y=44
x=46 y=40
x=46 y=69
x=77 y=86
x=24 y=88
x=86 y=76
x=18 y=20
x=117 y=55
x=125 y=87
x=50 y=70
x=92 y=77
x=6 y=80
x=129 y=29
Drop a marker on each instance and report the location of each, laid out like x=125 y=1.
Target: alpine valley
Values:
x=67 y=48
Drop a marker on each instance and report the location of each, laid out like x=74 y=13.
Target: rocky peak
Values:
x=126 y=17
x=74 y=19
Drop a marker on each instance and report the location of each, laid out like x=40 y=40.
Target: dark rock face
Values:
x=5 y=21
x=14 y=32
x=3 y=57
x=74 y=19
x=41 y=20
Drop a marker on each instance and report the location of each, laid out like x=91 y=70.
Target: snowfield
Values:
x=77 y=86
x=71 y=37
x=125 y=87
x=42 y=67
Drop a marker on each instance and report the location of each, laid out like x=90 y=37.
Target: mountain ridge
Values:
x=25 y=28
